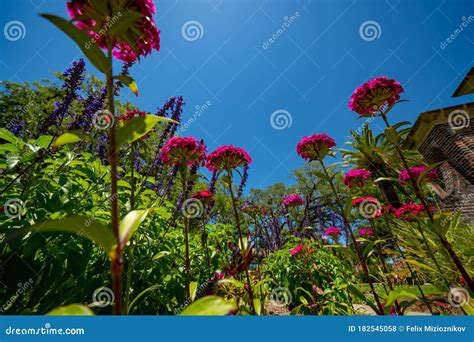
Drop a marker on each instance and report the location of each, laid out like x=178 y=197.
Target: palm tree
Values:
x=376 y=154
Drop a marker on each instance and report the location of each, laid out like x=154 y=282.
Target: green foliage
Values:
x=315 y=277
x=83 y=41
x=209 y=306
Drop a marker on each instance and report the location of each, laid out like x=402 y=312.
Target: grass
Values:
x=427 y=289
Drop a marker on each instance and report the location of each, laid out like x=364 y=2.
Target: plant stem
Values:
x=419 y=194
x=132 y=180
x=385 y=269
x=354 y=241
x=184 y=176
x=237 y=220
x=117 y=260
x=414 y=276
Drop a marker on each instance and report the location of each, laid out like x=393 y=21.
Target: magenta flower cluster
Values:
x=366 y=232
x=296 y=250
x=416 y=171
x=80 y=10
x=315 y=146
x=292 y=200
x=183 y=150
x=373 y=95
x=332 y=231
x=227 y=157
x=356 y=177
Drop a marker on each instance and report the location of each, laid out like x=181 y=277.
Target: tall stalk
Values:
x=184 y=179
x=242 y=250
x=131 y=250
x=354 y=241
x=413 y=274
x=385 y=269
x=419 y=194
x=117 y=260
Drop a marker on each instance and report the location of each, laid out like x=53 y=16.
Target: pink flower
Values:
x=415 y=171
x=219 y=275
x=227 y=158
x=296 y=250
x=146 y=35
x=356 y=177
x=293 y=200
x=409 y=211
x=332 y=231
x=179 y=150
x=131 y=114
x=315 y=146
x=366 y=232
x=205 y=196
x=365 y=199
x=372 y=96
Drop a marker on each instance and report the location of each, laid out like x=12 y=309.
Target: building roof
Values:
x=467 y=85
x=428 y=120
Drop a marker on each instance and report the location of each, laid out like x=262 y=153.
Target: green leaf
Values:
x=296 y=310
x=392 y=135
x=361 y=296
x=5 y=134
x=129 y=82
x=71 y=310
x=396 y=295
x=391 y=179
x=421 y=265
x=303 y=300
x=257 y=304
x=320 y=175
x=8 y=148
x=44 y=141
x=138 y=127
x=161 y=255
x=348 y=207
x=130 y=223
x=192 y=289
x=261 y=282
x=209 y=306
x=141 y=294
x=232 y=281
x=86 y=43
x=123 y=24
x=70 y=138
x=83 y=226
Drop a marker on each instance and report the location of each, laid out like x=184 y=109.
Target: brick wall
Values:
x=456 y=148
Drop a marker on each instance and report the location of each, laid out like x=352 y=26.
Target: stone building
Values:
x=447 y=135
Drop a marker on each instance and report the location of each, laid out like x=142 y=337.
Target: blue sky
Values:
x=307 y=73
